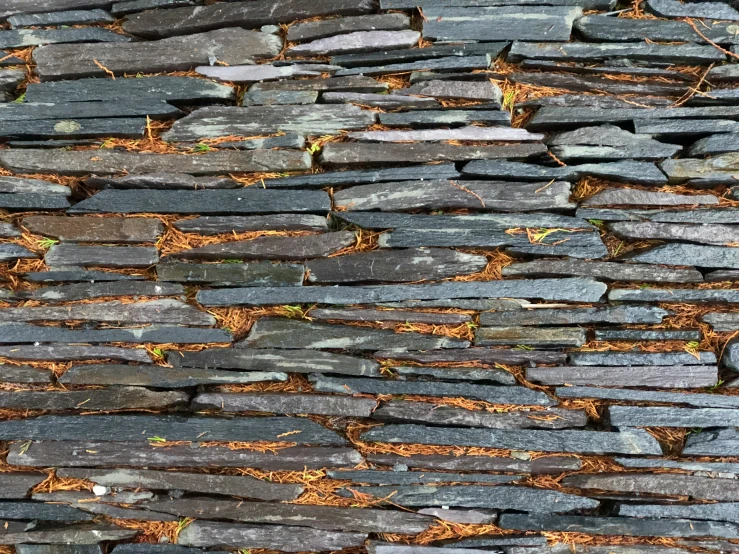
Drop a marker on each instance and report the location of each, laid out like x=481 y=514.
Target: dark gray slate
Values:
x=450 y=63
x=640 y=358
x=109 y=162
x=472 y=132
x=304 y=120
x=451 y=118
x=23 y=185
x=215 y=225
x=264 y=72
x=410 y=4
x=647 y=334
x=383 y=101
x=163 y=87
x=422 y=412
x=538 y=466
x=576 y=290
x=121 y=398
x=161 y=376
x=356 y=41
x=231 y=46
x=520 y=396
x=377 y=477
x=495 y=375
x=676 y=128
x=20 y=333
x=702 y=234
x=616 y=29
x=628 y=441
x=42 y=512
x=277 y=97
x=640 y=416
x=449 y=51
x=163 y=181
x=584 y=83
x=230 y=485
x=70 y=128
x=174 y=428
x=689 y=399
x=261 y=274
x=35 y=37
x=544 y=337
x=9 y=230
x=64 y=352
x=10 y=79
x=24 y=374
x=608 y=142
x=477 y=91
x=608 y=271
x=17 y=485
x=329 y=518
x=33 y=201
x=59 y=549
x=636 y=197
x=141 y=454
x=478 y=516
x=311 y=404
x=119 y=512
x=502 y=540
x=721 y=275
x=77 y=497
x=102 y=256
x=394 y=266
x=673 y=8
x=10 y=252
x=160 y=548
x=78 y=274
x=575 y=316
x=721 y=511
x=293 y=361
x=95 y=229
x=69 y=17
x=720 y=143
x=717 y=442
x=697 y=215
x=131 y=6
x=710 y=467
x=677 y=296
x=400 y=316
x=274 y=332
x=311 y=30
x=719 y=168
x=291 y=140
x=661 y=376
x=67 y=109
x=291 y=248
x=338 y=178
x=356 y=83
x=634 y=527
x=278 y=537
x=82 y=534
x=730 y=357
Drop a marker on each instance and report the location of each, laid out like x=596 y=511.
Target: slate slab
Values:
x=383 y=101
x=25 y=185
x=42 y=512
x=720 y=167
x=86 y=291
x=672 y=8
x=24 y=374
x=720 y=143
x=443 y=64
x=400 y=316
x=538 y=466
x=640 y=358
x=101 y=256
x=672 y=129
x=462 y=516
x=17 y=485
x=82 y=534
x=544 y=337
x=120 y=398
x=265 y=72
x=10 y=79
x=64 y=352
x=356 y=41
x=69 y=128
x=394 y=265
x=33 y=201
x=641 y=416
x=478 y=91
x=696 y=215
x=645 y=87
x=628 y=441
x=382 y=477
x=717 y=442
x=647 y=335
x=451 y=118
x=59 y=549
x=337 y=178
x=95 y=229
x=164 y=181
x=292 y=140
x=278 y=97
x=311 y=30
x=575 y=316
x=132 y=6
x=215 y=225
x=356 y=83
x=434 y=51
x=678 y=296
x=261 y=274
x=313 y=404
x=617 y=29
x=35 y=37
x=9 y=230
x=721 y=511
x=667 y=376
x=711 y=467
x=10 y=252
x=702 y=234
x=20 y=333
x=633 y=197
x=608 y=142
x=495 y=375
x=502 y=134
x=68 y=17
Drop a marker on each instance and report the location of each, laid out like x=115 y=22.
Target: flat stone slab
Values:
x=608 y=271
x=720 y=143
x=293 y=361
x=668 y=376
x=690 y=254
x=719 y=168
x=507 y=395
x=20 y=333
x=261 y=274
x=383 y=101
x=140 y=454
x=451 y=118
x=10 y=252
x=311 y=30
x=356 y=41
x=478 y=516
x=36 y=37
x=291 y=248
x=689 y=399
x=442 y=64
x=67 y=17
x=608 y=142
x=575 y=290
x=674 y=128
x=462 y=49
x=304 y=120
x=274 y=332
x=394 y=265
x=355 y=83
x=87 y=534
x=575 y=316
x=627 y=441
x=64 y=352
x=232 y=46
x=702 y=234
x=42 y=512
x=640 y=358
x=400 y=316
x=312 y=404
x=479 y=91
x=720 y=511
x=711 y=467
x=422 y=412
x=86 y=291
x=616 y=29
x=96 y=229
x=586 y=83
x=162 y=376
x=552 y=337
x=383 y=477
x=101 y=256
x=18 y=485
x=717 y=442
x=163 y=181
x=10 y=79
x=110 y=162
x=120 y=398
x=174 y=428
x=132 y=6
x=672 y=8
x=678 y=296
x=278 y=97
x=24 y=374
x=23 y=185
x=634 y=197
x=215 y=224
x=9 y=230
x=494 y=375
x=666 y=215
x=647 y=335
x=33 y=201
x=641 y=416
x=538 y=466
x=503 y=134
x=265 y=72
x=362 y=176
x=722 y=321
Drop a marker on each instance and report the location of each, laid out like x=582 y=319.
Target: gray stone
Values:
x=119 y=512
x=85 y=291
x=83 y=496
x=722 y=143
x=82 y=534
x=711 y=467
x=667 y=376
x=356 y=83
x=689 y=399
x=495 y=375
x=70 y=128
x=545 y=337
x=95 y=229
x=164 y=181
x=109 y=162
x=697 y=215
x=721 y=275
x=575 y=316
x=628 y=441
x=490 y=356
x=676 y=296
x=231 y=46
x=261 y=274
x=503 y=540
x=120 y=398
x=730 y=358
x=18 y=485
x=75 y=274
x=264 y=72
x=451 y=118
x=720 y=168
x=278 y=97
x=673 y=8
x=162 y=376
x=24 y=374
x=502 y=134
x=717 y=442
x=394 y=266
x=23 y=333
x=64 y=352
x=281 y=141
x=607 y=271
x=10 y=252
x=444 y=64
x=462 y=516
x=69 y=17
x=215 y=225
x=382 y=477
x=702 y=234
x=647 y=335
x=608 y=142
x=58 y=548
x=274 y=332
x=400 y=316
x=9 y=230
x=293 y=361
x=311 y=404
x=422 y=412
x=488 y=393
x=491 y=49
x=634 y=527
x=33 y=201
x=538 y=466
x=617 y=29
x=159 y=548
x=131 y=6
x=10 y=79
x=35 y=37
x=304 y=120
x=645 y=87
x=22 y=185
x=676 y=128
x=383 y=101
x=648 y=416
x=356 y=41
x=640 y=358
x=276 y=247
x=42 y=512
x=461 y=90
x=102 y=256
x=721 y=511
x=337 y=178
x=311 y=30
x=443 y=194
x=634 y=197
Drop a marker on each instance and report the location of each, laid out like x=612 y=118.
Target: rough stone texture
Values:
x=122 y=398
x=92 y=534
x=63 y=353
x=607 y=271
x=673 y=295
x=356 y=41
x=502 y=134
x=575 y=316
x=101 y=256
x=88 y=229
x=689 y=399
x=717 y=442
x=630 y=197
x=672 y=8
x=261 y=274
x=640 y=358
x=324 y=314
x=85 y=291
x=69 y=17
x=539 y=466
x=622 y=416
x=554 y=337
x=161 y=181
x=286 y=404
x=214 y=225
x=18 y=485
x=311 y=30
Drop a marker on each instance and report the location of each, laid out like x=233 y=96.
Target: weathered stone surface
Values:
x=422 y=412
x=120 y=398
x=505 y=540
x=616 y=29
x=486 y=355
x=444 y=64
x=279 y=537
x=159 y=548
x=451 y=118
x=608 y=142
x=710 y=467
x=131 y=6
x=730 y=357
x=10 y=252
x=461 y=90
x=575 y=316
x=264 y=72
x=721 y=275
x=311 y=30
x=42 y=512
x=538 y=466
x=9 y=230
x=356 y=83
x=672 y=8
x=437 y=135
x=636 y=197
x=10 y=79
x=141 y=454
x=23 y=333
x=673 y=128
x=641 y=416
x=488 y=393
x=495 y=375
x=647 y=335
x=644 y=87
x=33 y=37
x=291 y=140
x=274 y=248
x=640 y=358
x=24 y=374
x=33 y=201
x=356 y=41
x=138 y=428
x=720 y=168
x=702 y=234
x=87 y=534
x=293 y=361
x=162 y=377
x=721 y=511
x=576 y=290
x=261 y=274
x=552 y=337
x=63 y=353
x=274 y=332
x=304 y=120
x=635 y=172
x=69 y=17
x=477 y=516
x=101 y=256
x=337 y=178
x=721 y=143
x=387 y=102
x=119 y=512
x=214 y=225
x=163 y=181
x=23 y=185
x=443 y=194
x=59 y=549
x=401 y=316
x=84 y=291
x=394 y=266
x=697 y=215
x=635 y=527
x=312 y=404
x=109 y=162
x=628 y=441
x=382 y=477
x=95 y=229
x=114 y=127
x=17 y=485
x=278 y=97
x=717 y=442
x=678 y=296
x=231 y=46
x=448 y=51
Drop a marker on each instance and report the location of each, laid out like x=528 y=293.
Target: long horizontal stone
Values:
x=311 y=30
x=716 y=442
x=62 y=255
x=647 y=335
x=476 y=91
x=302 y=119
x=264 y=72
x=648 y=416
x=395 y=266
x=617 y=29
x=122 y=127
x=262 y=274
x=35 y=37
x=400 y=316
x=272 y=98
x=24 y=374
x=349 y=153
x=278 y=537
x=356 y=41
x=68 y=17
x=494 y=375
x=501 y=134
x=720 y=143
x=672 y=8
x=667 y=376
x=677 y=296
x=460 y=223
x=121 y=398
x=141 y=454
x=493 y=394
x=719 y=168
x=86 y=291
x=538 y=466
x=632 y=197
x=63 y=352
x=545 y=337
x=641 y=358
x=24 y=185
x=670 y=129
x=96 y=229
x=575 y=316
x=119 y=512
x=608 y=271
x=422 y=412
x=634 y=527
x=720 y=511
x=585 y=83
x=337 y=178
x=293 y=361
x=722 y=321
x=162 y=376
x=87 y=534
x=164 y=181
x=697 y=215
x=382 y=477
x=703 y=234
x=451 y=118
x=355 y=83
x=608 y=142
x=18 y=485
x=37 y=511
x=10 y=252
x=417 y=54
x=215 y=225
x=231 y=46
x=709 y=467
x=628 y=441
x=273 y=332
x=20 y=333
x=689 y=399
x=444 y=64
x=174 y=428
x=109 y=162
x=34 y=201
x=576 y=290
x=312 y=404
x=9 y=230
x=277 y=247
